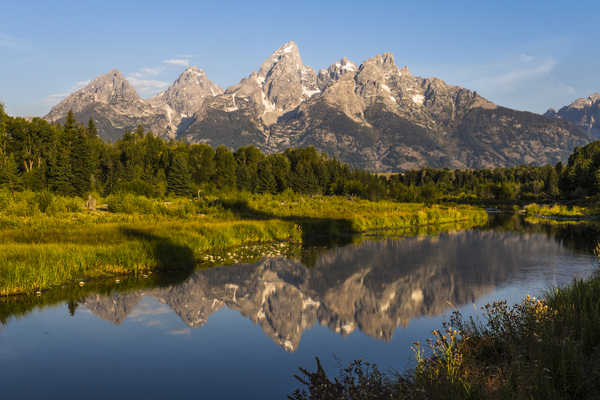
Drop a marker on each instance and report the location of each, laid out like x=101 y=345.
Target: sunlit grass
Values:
x=40 y=250
x=557 y=211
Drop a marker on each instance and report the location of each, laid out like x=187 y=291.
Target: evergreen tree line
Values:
x=578 y=180
x=70 y=159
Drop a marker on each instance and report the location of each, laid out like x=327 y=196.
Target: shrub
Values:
x=44 y=200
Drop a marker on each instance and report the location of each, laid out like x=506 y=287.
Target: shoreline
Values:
x=42 y=252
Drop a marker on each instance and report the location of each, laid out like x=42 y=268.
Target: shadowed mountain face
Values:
x=583 y=112
x=375 y=116
x=374 y=287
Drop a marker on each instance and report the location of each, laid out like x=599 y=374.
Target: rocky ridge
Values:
x=115 y=106
x=375 y=116
x=185 y=96
x=583 y=112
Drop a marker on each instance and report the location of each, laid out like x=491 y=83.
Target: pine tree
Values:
x=179 y=178
x=70 y=122
x=202 y=163
x=81 y=163
x=9 y=176
x=74 y=158
x=266 y=179
x=59 y=171
x=280 y=166
x=225 y=168
x=91 y=131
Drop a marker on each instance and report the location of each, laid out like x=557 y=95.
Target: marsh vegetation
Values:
x=49 y=240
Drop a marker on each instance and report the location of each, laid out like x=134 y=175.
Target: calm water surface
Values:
x=242 y=331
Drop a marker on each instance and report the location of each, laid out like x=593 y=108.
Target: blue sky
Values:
x=527 y=55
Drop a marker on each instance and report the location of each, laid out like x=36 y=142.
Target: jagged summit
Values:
x=285 y=80
x=186 y=95
x=115 y=106
x=281 y=84
x=584 y=102
x=584 y=112
x=335 y=72
x=110 y=88
x=288 y=51
x=373 y=115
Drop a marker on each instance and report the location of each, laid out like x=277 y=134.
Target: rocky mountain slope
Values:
x=115 y=106
x=584 y=113
x=375 y=116
x=185 y=96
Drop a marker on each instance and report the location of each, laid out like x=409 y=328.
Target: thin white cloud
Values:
x=526 y=58
x=521 y=80
x=147 y=72
x=527 y=69
x=179 y=332
x=151 y=323
x=151 y=71
x=148 y=307
x=143 y=83
x=147 y=86
x=55 y=98
x=181 y=62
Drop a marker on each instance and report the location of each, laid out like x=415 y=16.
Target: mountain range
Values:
x=375 y=116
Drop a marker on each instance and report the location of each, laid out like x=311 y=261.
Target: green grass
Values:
x=557 y=211
x=40 y=250
x=364 y=215
x=45 y=253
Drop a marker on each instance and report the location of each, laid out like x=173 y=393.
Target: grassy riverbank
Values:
x=48 y=241
x=559 y=211
x=559 y=214
x=546 y=348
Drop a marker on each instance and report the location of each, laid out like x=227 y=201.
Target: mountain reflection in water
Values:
x=374 y=286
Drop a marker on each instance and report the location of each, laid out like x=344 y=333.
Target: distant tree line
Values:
x=70 y=159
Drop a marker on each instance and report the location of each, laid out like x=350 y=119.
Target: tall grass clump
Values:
x=127 y=203
x=557 y=211
x=33 y=204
